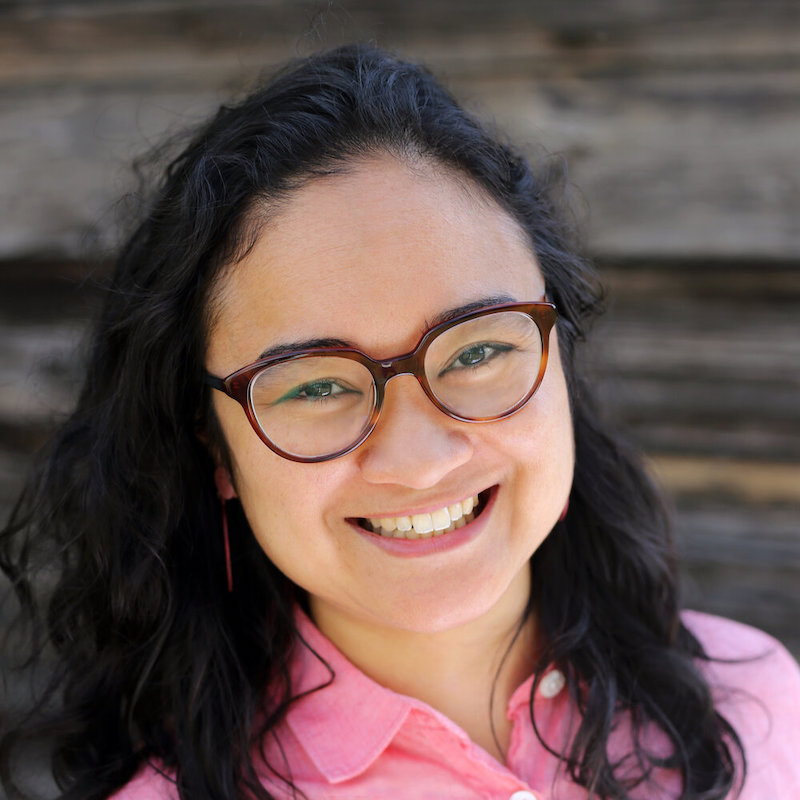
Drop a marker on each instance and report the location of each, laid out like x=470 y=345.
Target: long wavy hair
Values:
x=114 y=550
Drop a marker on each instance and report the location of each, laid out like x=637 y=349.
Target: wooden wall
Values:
x=680 y=122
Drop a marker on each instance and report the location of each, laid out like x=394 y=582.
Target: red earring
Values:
x=226 y=540
x=225 y=491
x=564 y=512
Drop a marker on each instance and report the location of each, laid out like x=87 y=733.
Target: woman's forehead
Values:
x=353 y=252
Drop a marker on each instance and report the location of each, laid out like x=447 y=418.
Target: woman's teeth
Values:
x=423 y=526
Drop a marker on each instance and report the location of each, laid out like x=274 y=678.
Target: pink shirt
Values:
x=355 y=740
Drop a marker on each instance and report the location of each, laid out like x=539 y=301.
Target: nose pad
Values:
x=414 y=443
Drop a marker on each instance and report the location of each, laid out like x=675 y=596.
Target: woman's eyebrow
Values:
x=444 y=316
x=483 y=302
x=304 y=344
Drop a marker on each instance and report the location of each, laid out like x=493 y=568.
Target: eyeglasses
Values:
x=315 y=405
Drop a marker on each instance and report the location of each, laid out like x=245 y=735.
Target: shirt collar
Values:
x=344 y=731
x=520 y=697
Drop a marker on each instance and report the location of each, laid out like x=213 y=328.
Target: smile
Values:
x=424 y=526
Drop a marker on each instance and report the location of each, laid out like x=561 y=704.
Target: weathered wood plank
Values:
x=680 y=120
x=704 y=358
x=690 y=477
x=743 y=562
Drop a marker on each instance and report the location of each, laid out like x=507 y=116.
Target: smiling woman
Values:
x=409 y=239
x=335 y=516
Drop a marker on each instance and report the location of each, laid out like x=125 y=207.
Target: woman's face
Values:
x=371 y=256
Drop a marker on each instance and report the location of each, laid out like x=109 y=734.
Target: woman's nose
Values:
x=414 y=443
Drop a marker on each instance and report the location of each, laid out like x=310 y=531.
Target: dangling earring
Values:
x=225 y=491
x=226 y=540
x=564 y=512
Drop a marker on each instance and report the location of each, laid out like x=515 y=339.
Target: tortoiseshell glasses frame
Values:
x=238 y=384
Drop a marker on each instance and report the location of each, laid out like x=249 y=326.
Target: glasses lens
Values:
x=313 y=406
x=485 y=366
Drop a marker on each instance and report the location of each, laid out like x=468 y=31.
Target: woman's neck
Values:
x=462 y=671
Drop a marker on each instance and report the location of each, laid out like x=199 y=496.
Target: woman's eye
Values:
x=316 y=391
x=476 y=355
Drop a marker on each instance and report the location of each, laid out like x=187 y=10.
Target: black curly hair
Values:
x=149 y=658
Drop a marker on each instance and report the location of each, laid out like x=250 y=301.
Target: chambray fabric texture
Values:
x=355 y=740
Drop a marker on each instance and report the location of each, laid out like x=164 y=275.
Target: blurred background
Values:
x=680 y=122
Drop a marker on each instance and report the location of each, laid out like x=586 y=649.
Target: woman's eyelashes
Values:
x=475 y=356
x=317 y=391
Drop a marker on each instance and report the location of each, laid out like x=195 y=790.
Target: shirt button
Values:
x=523 y=796
x=552 y=684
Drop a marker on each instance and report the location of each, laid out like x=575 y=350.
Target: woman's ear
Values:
x=225 y=488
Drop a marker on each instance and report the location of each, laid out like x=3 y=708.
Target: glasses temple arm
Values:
x=214 y=382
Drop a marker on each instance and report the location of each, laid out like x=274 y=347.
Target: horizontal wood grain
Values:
x=679 y=121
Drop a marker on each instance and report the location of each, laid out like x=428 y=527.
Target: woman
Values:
x=335 y=516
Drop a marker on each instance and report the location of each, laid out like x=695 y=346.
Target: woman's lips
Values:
x=435 y=523
x=421 y=544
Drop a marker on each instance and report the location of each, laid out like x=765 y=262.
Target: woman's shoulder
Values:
x=736 y=649
x=755 y=682
x=743 y=661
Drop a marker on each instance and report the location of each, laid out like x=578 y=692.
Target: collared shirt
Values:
x=356 y=740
